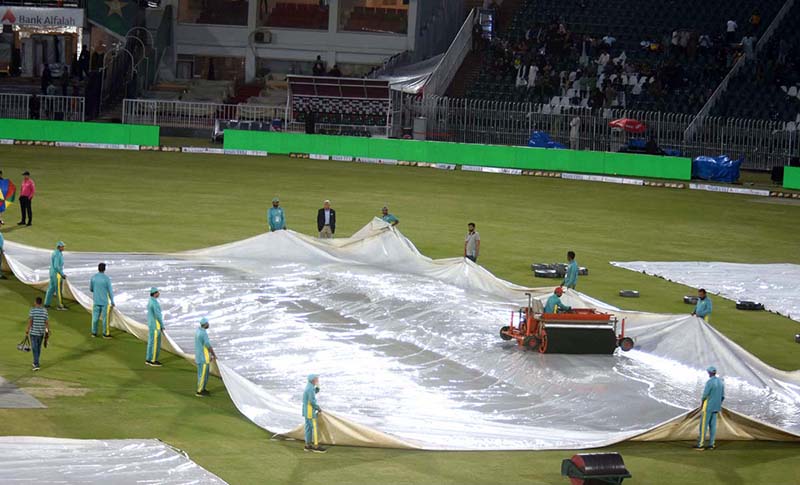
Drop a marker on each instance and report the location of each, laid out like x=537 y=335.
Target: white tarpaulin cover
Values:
x=408 y=347
x=28 y=459
x=776 y=286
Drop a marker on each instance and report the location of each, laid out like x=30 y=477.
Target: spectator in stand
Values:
x=335 y=72
x=477 y=36
x=311 y=121
x=319 y=67
x=748 y=46
x=730 y=31
x=83 y=63
x=755 y=19
x=47 y=76
x=25 y=199
x=574 y=133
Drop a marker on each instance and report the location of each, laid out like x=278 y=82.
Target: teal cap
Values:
x=311 y=377
x=276 y=199
x=712 y=369
x=203 y=321
x=153 y=290
x=60 y=244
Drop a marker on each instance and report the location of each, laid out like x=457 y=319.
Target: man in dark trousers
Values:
x=319 y=67
x=311 y=122
x=326 y=221
x=25 y=198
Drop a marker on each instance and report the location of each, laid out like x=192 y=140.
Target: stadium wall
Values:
x=675 y=168
x=77 y=132
x=791 y=178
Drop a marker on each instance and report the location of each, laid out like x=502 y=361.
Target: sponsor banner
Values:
x=99 y=146
x=217 y=151
x=342 y=158
x=315 y=156
x=602 y=178
x=506 y=171
x=42 y=17
x=6 y=142
x=377 y=161
x=729 y=190
x=249 y=153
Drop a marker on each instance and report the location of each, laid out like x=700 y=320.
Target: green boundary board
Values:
x=791 y=178
x=628 y=164
x=79 y=132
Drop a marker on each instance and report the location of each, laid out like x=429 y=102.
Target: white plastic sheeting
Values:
x=27 y=459
x=776 y=286
x=408 y=347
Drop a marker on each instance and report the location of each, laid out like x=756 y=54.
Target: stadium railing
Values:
x=62 y=108
x=183 y=114
x=448 y=66
x=761 y=143
x=15 y=106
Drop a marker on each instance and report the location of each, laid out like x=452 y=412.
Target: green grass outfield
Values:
x=128 y=201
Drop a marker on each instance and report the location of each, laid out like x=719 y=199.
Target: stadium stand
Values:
x=299 y=15
x=661 y=55
x=360 y=107
x=378 y=20
x=768 y=85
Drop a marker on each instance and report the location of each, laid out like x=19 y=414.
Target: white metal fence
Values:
x=762 y=144
x=63 y=108
x=25 y=106
x=15 y=105
x=182 y=114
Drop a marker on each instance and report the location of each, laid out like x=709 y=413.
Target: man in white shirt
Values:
x=472 y=243
x=730 y=31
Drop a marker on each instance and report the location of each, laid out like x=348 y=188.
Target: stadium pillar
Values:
x=333 y=27
x=249 y=54
x=411 y=37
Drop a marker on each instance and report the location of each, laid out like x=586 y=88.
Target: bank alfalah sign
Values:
x=42 y=17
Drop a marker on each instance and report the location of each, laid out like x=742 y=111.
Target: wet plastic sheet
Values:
x=777 y=286
x=408 y=347
x=26 y=459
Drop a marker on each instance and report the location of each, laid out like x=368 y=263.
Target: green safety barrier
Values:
x=791 y=178
x=79 y=132
x=628 y=164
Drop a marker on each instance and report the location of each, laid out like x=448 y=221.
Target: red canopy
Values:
x=629 y=125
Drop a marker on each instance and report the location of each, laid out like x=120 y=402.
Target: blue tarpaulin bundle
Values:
x=541 y=139
x=718 y=169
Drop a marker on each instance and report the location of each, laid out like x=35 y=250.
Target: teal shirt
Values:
x=100 y=286
x=571 y=279
x=390 y=218
x=201 y=346
x=276 y=218
x=56 y=264
x=554 y=303
x=714 y=394
x=1 y=241
x=310 y=406
x=154 y=317
x=703 y=307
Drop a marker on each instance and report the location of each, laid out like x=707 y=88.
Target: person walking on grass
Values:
x=703 y=308
x=571 y=278
x=472 y=243
x=713 y=395
x=203 y=355
x=326 y=221
x=57 y=277
x=103 y=295
x=311 y=411
x=155 y=327
x=38 y=327
x=25 y=198
x=276 y=217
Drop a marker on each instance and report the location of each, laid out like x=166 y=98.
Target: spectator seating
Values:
x=767 y=87
x=378 y=20
x=666 y=55
x=340 y=101
x=224 y=12
x=299 y=16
